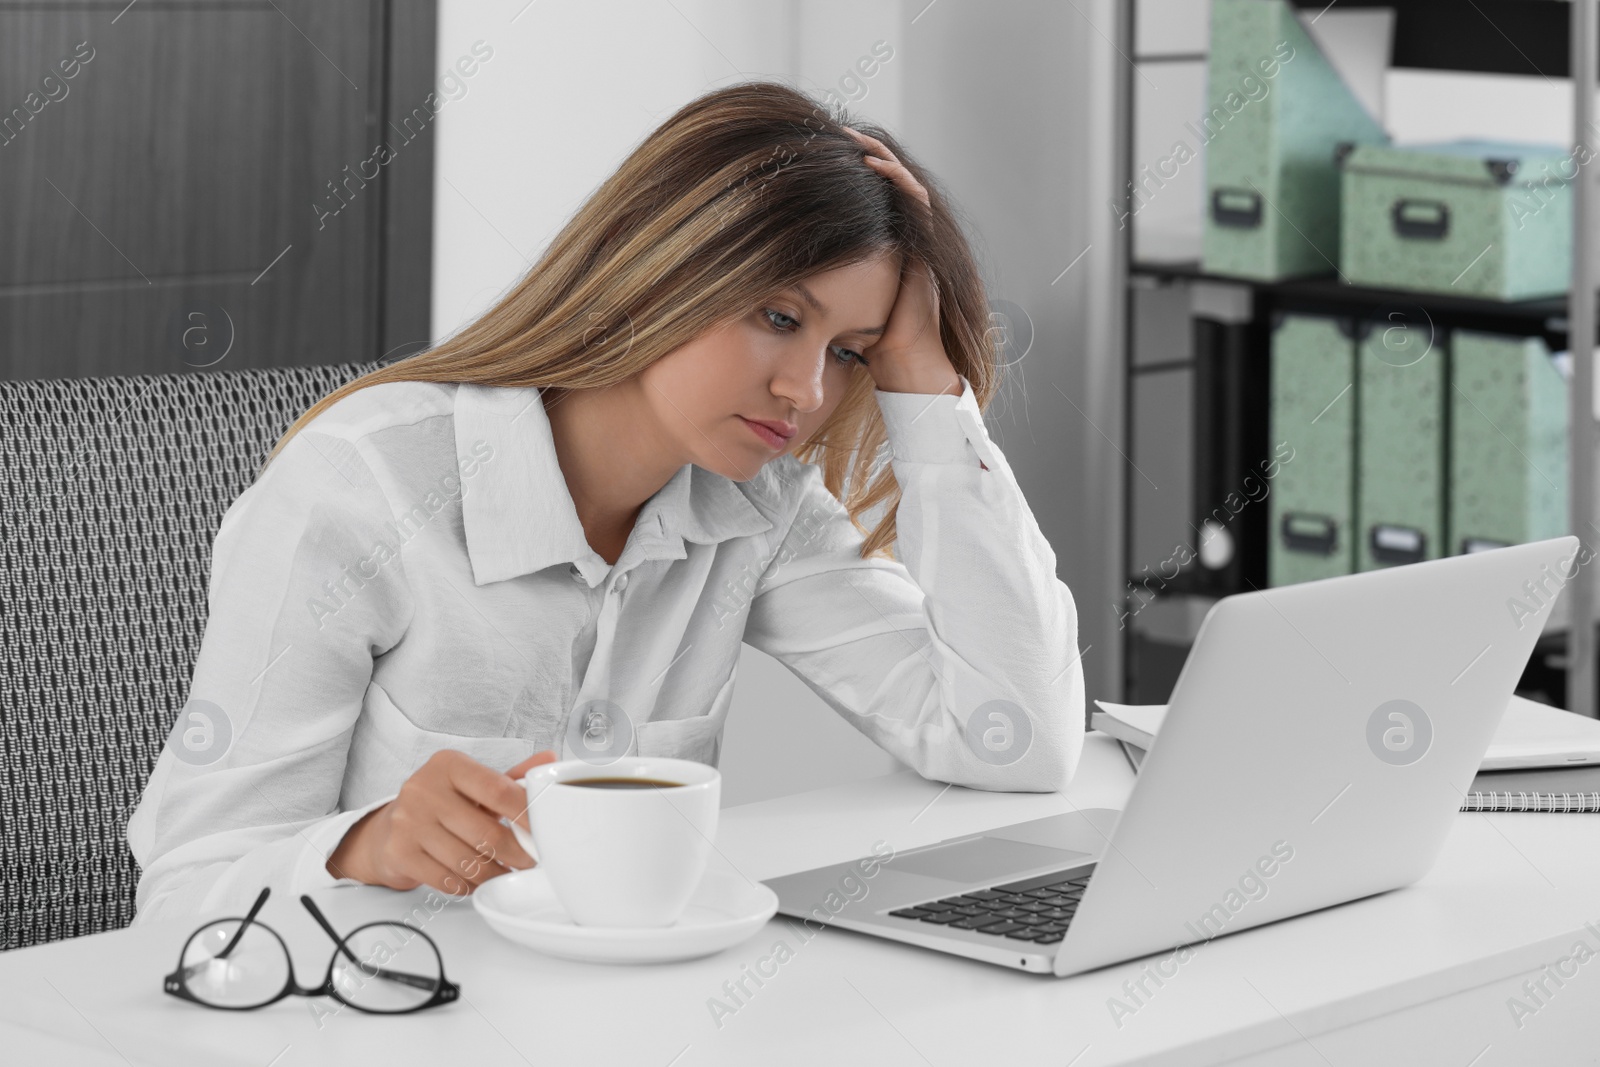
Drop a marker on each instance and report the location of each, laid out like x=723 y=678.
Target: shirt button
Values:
x=622 y=583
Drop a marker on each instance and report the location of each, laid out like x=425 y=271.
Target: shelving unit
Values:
x=1545 y=37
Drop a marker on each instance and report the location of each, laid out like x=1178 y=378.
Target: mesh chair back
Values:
x=111 y=491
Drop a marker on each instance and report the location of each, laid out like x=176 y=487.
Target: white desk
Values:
x=1418 y=976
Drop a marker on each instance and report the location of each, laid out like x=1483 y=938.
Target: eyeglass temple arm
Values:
x=261 y=899
x=316 y=913
x=194 y=968
x=415 y=980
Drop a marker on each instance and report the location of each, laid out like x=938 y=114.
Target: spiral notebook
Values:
x=1573 y=788
x=1543 y=789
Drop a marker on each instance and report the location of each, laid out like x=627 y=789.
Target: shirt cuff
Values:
x=320 y=842
x=935 y=427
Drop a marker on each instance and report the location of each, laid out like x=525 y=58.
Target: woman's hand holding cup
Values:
x=443 y=828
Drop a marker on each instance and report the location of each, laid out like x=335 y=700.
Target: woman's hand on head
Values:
x=910 y=356
x=442 y=829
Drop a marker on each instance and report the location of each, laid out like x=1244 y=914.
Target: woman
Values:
x=551 y=533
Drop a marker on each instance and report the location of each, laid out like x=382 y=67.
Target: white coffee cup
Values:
x=622 y=855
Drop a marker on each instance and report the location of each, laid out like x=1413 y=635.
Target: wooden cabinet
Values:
x=193 y=185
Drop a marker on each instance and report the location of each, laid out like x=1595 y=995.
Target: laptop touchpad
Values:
x=991 y=859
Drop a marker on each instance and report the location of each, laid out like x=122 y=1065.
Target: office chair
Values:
x=111 y=491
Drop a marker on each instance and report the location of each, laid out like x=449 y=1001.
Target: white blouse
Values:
x=410 y=574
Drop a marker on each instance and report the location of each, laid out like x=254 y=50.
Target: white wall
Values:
x=1009 y=102
x=992 y=97
x=571 y=88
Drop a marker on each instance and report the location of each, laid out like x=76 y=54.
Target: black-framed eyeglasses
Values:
x=387 y=968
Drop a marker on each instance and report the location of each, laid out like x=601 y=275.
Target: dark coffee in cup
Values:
x=622 y=783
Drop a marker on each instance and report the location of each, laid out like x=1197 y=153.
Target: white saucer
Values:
x=725 y=910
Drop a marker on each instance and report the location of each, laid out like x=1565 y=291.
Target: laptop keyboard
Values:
x=1036 y=909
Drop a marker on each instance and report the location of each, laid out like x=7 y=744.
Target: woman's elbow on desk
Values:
x=1051 y=746
x=1047 y=768
x=1046 y=765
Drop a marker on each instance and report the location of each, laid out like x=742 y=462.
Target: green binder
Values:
x=1276 y=113
x=1508 y=442
x=1312 y=427
x=1399 y=446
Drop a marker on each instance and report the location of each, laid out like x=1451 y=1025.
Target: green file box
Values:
x=1399 y=446
x=1471 y=218
x=1313 y=411
x=1508 y=442
x=1276 y=112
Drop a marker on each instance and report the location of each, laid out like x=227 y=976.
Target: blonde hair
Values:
x=740 y=194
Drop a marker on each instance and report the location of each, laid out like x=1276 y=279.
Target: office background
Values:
x=268 y=208
x=1212 y=362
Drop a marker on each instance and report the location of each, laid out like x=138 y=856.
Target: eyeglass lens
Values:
x=253 y=973
x=395 y=968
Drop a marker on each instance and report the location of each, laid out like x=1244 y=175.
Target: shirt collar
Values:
x=519 y=516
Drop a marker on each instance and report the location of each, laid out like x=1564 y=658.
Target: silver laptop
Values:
x=1317 y=745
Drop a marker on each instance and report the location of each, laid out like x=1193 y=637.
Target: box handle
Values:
x=1420 y=218
x=1305 y=532
x=1398 y=544
x=1481 y=544
x=1236 y=207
